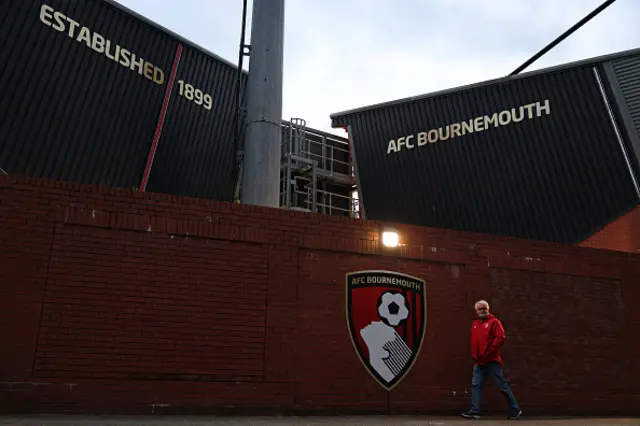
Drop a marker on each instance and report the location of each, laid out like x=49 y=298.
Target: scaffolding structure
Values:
x=316 y=173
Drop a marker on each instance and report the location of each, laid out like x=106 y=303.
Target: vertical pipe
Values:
x=288 y=183
x=242 y=52
x=313 y=187
x=261 y=171
x=238 y=117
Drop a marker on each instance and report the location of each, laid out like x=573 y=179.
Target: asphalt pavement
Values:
x=267 y=421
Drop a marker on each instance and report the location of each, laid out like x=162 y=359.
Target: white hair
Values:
x=481 y=302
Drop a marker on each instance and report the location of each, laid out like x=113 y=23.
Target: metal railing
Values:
x=330 y=159
x=308 y=157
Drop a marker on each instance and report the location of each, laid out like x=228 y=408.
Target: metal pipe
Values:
x=241 y=54
x=261 y=170
x=237 y=124
x=562 y=36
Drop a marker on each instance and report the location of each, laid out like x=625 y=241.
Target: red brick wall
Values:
x=623 y=234
x=121 y=302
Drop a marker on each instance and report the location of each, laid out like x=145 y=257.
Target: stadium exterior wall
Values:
x=623 y=234
x=117 y=301
x=90 y=89
x=551 y=155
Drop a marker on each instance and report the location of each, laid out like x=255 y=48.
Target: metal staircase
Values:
x=315 y=171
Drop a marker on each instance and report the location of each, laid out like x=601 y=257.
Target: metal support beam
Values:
x=243 y=51
x=562 y=36
x=261 y=170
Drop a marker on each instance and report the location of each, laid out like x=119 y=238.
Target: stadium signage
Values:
x=474 y=125
x=62 y=23
x=386 y=320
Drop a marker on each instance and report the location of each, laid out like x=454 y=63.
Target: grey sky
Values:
x=344 y=54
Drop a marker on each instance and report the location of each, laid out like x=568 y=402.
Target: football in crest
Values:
x=386 y=318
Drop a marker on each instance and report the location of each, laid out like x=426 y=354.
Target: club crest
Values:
x=386 y=318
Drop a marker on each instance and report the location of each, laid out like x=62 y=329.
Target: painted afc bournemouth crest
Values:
x=386 y=317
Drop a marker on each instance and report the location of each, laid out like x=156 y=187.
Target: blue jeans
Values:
x=480 y=374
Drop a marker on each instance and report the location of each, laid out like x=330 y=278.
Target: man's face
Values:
x=482 y=310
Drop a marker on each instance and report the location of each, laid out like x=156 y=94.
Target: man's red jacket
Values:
x=487 y=336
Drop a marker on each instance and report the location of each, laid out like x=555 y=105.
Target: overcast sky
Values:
x=344 y=54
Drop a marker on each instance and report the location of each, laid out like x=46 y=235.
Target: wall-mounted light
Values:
x=390 y=237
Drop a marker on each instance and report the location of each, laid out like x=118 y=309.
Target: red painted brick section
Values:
x=623 y=234
x=151 y=306
x=115 y=301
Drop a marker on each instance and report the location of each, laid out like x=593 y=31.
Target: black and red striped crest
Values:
x=386 y=317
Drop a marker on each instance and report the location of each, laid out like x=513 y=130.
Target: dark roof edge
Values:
x=157 y=26
x=567 y=65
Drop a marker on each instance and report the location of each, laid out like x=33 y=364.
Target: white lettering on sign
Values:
x=195 y=95
x=62 y=23
x=474 y=125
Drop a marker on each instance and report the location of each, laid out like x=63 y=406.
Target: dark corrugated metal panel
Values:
x=69 y=112
x=73 y=113
x=196 y=152
x=628 y=74
x=338 y=118
x=554 y=177
x=623 y=88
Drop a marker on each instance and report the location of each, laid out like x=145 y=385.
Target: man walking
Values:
x=487 y=336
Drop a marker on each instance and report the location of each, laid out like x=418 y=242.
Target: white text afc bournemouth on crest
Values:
x=386 y=318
